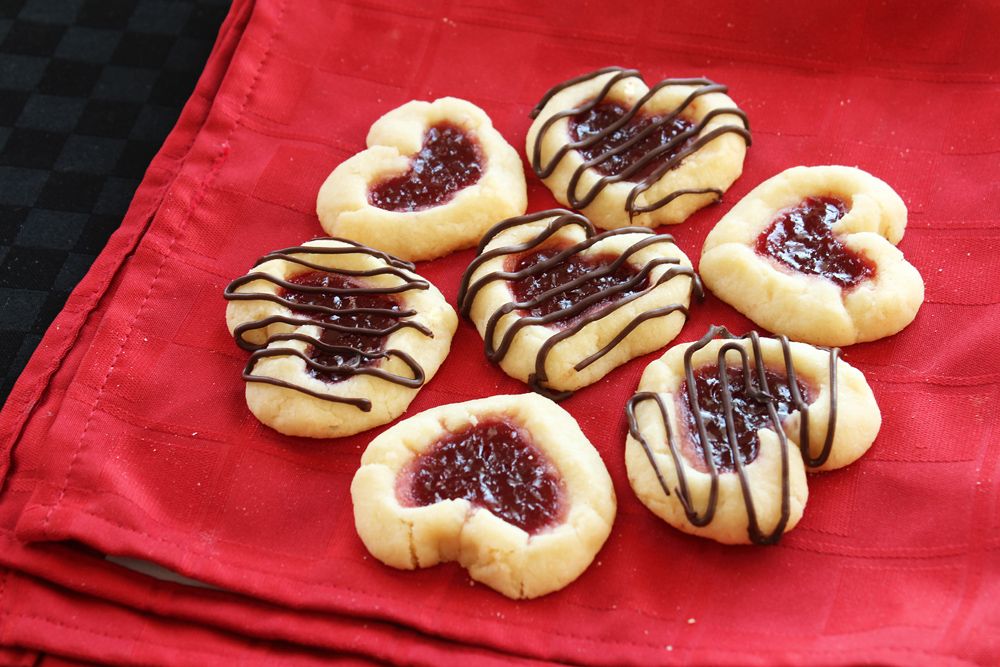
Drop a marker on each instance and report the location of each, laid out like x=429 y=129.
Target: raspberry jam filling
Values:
x=492 y=464
x=449 y=161
x=575 y=276
x=330 y=294
x=586 y=124
x=750 y=413
x=802 y=239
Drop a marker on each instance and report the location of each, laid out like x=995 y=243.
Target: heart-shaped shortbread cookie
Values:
x=810 y=253
x=559 y=306
x=508 y=486
x=770 y=410
x=435 y=176
x=343 y=337
x=624 y=153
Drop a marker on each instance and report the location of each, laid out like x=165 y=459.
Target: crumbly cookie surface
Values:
x=497 y=553
x=811 y=307
x=569 y=345
x=830 y=427
x=683 y=173
x=288 y=386
x=345 y=205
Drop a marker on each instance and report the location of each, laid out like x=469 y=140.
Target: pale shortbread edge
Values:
x=496 y=553
x=344 y=210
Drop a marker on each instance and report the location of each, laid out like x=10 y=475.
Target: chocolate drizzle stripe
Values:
x=583 y=304
x=557 y=219
x=760 y=393
x=665 y=420
x=704 y=87
x=290 y=254
x=498 y=352
x=648 y=315
x=663 y=201
x=756 y=534
x=536 y=153
x=649 y=157
x=540 y=376
x=552 y=92
x=239 y=331
x=649 y=181
x=362 y=404
x=313 y=315
x=467 y=293
x=316 y=289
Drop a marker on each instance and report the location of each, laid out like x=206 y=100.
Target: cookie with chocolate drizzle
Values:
x=722 y=432
x=559 y=305
x=626 y=154
x=330 y=325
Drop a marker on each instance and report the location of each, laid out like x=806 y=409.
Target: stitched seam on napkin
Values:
x=199 y=199
x=166 y=589
x=4 y=606
x=676 y=647
x=585 y=638
x=268 y=572
x=798 y=62
x=86 y=298
x=912 y=386
x=110 y=635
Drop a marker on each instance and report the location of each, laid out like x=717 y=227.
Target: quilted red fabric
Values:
x=128 y=434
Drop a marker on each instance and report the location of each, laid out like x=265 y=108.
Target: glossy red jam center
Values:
x=574 y=275
x=449 y=161
x=331 y=294
x=589 y=123
x=492 y=464
x=750 y=413
x=802 y=239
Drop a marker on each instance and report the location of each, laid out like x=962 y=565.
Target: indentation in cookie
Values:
x=343 y=322
x=494 y=465
x=557 y=278
x=811 y=253
x=614 y=143
x=742 y=402
x=448 y=161
x=359 y=315
x=802 y=239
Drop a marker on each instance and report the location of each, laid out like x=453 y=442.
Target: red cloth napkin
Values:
x=128 y=434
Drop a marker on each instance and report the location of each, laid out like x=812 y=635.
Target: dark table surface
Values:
x=89 y=89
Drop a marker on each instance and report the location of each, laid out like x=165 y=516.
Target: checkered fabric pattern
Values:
x=89 y=89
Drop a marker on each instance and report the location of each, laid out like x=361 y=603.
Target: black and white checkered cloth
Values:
x=89 y=90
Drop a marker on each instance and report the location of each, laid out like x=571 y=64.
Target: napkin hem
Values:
x=85 y=298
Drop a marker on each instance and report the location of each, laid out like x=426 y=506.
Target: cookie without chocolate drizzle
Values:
x=434 y=177
x=507 y=486
x=811 y=253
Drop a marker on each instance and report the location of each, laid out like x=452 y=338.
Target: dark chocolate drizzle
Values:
x=759 y=393
x=705 y=86
x=395 y=267
x=562 y=218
